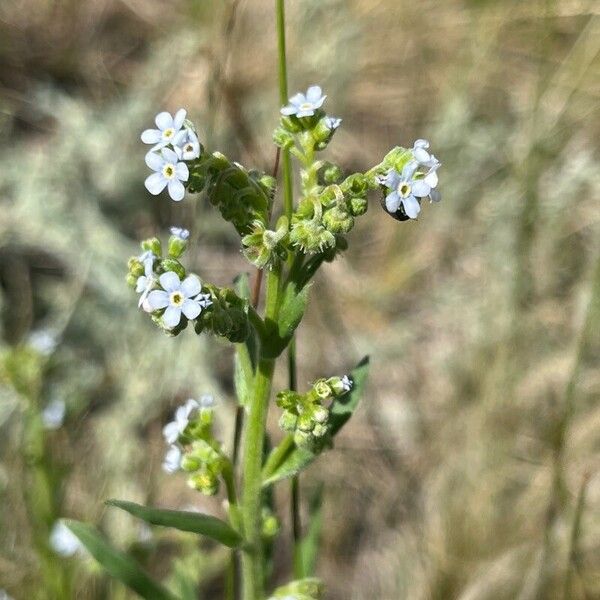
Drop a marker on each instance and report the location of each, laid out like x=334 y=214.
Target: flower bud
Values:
x=358 y=205
x=153 y=245
x=322 y=389
x=319 y=430
x=305 y=422
x=338 y=220
x=331 y=174
x=135 y=267
x=356 y=184
x=204 y=481
x=303 y=439
x=311 y=236
x=178 y=241
x=340 y=385
x=172 y=264
x=190 y=463
x=291 y=124
x=320 y=414
x=288 y=421
x=282 y=138
x=270 y=524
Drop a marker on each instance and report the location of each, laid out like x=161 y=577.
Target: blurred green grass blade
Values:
x=293 y=460
x=309 y=544
x=192 y=522
x=118 y=564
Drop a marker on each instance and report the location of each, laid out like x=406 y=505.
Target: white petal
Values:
x=181 y=171
x=164 y=120
x=191 y=286
x=411 y=207
x=392 y=179
x=140 y=285
x=421 y=155
x=158 y=299
x=171 y=432
x=289 y=110
x=309 y=112
x=169 y=155
x=314 y=93
x=431 y=179
x=435 y=196
x=154 y=161
x=409 y=169
x=298 y=99
x=319 y=102
x=155 y=183
x=172 y=317
x=170 y=281
x=179 y=118
x=151 y=136
x=176 y=190
x=191 y=309
x=421 y=143
x=420 y=189
x=392 y=202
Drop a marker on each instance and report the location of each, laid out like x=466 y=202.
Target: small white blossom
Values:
x=145 y=284
x=172 y=460
x=188 y=147
x=183 y=415
x=63 y=541
x=53 y=414
x=305 y=105
x=332 y=123
x=179 y=232
x=169 y=173
x=426 y=159
x=169 y=129
x=405 y=189
x=178 y=297
x=346 y=383
x=43 y=341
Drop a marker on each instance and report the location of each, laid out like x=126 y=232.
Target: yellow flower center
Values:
x=177 y=299
x=169 y=171
x=404 y=189
x=306 y=106
x=168 y=133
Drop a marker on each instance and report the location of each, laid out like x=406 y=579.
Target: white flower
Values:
x=426 y=159
x=188 y=146
x=145 y=283
x=404 y=190
x=346 y=383
x=53 y=414
x=332 y=123
x=206 y=401
x=183 y=415
x=179 y=232
x=169 y=173
x=178 y=297
x=4 y=595
x=169 y=129
x=63 y=541
x=305 y=105
x=172 y=460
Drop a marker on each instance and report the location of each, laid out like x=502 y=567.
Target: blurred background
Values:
x=472 y=469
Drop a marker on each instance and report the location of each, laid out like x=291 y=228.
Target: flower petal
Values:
x=431 y=179
x=154 y=160
x=163 y=120
x=155 y=183
x=309 y=112
x=421 y=155
x=319 y=102
x=314 y=93
x=179 y=118
x=181 y=171
x=172 y=316
x=169 y=155
x=176 y=190
x=191 y=286
x=392 y=202
x=158 y=299
x=409 y=169
x=421 y=143
x=420 y=188
x=289 y=110
x=171 y=432
x=435 y=196
x=151 y=136
x=297 y=99
x=170 y=281
x=191 y=309
x=392 y=179
x=411 y=206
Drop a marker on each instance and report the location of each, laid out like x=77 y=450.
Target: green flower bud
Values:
x=131 y=280
x=303 y=439
x=355 y=185
x=190 y=463
x=338 y=220
x=177 y=246
x=288 y=400
x=153 y=245
x=270 y=524
x=288 y=421
x=320 y=414
x=331 y=174
x=322 y=389
x=291 y=124
x=204 y=481
x=305 y=422
x=135 y=267
x=319 y=430
x=282 y=138
x=358 y=205
x=311 y=236
x=172 y=264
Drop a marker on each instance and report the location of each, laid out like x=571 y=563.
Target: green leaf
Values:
x=246 y=352
x=291 y=460
x=184 y=521
x=291 y=311
x=118 y=564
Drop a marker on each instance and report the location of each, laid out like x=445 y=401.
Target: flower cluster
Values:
x=405 y=186
x=306 y=416
x=173 y=142
x=192 y=447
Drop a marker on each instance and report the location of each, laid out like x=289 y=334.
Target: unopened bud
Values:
x=153 y=245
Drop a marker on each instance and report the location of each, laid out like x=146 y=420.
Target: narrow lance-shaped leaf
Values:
x=293 y=460
x=184 y=521
x=118 y=564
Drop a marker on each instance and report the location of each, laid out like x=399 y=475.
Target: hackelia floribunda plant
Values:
x=290 y=246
